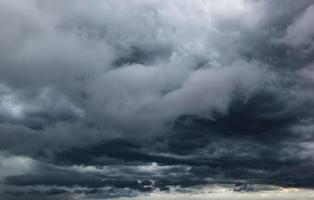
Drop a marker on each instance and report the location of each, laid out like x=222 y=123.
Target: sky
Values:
x=148 y=99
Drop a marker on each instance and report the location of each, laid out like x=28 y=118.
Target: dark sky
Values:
x=116 y=98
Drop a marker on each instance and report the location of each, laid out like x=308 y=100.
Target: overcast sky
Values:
x=129 y=98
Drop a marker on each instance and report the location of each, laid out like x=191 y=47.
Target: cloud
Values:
x=118 y=98
x=33 y=109
x=224 y=192
x=300 y=33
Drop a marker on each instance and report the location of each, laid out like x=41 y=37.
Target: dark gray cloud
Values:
x=102 y=99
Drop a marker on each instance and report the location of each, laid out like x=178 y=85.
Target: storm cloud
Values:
x=104 y=98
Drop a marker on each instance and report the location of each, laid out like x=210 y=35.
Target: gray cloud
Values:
x=300 y=33
x=35 y=109
x=92 y=93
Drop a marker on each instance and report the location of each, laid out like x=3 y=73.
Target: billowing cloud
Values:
x=105 y=98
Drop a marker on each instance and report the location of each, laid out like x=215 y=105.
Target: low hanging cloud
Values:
x=106 y=99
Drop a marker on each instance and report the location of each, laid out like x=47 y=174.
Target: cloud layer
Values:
x=108 y=98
